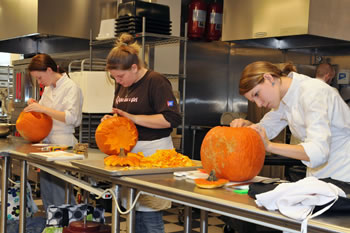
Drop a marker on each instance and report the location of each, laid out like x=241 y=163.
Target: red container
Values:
x=214 y=21
x=197 y=11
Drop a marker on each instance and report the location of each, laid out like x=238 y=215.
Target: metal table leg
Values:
x=115 y=212
x=5 y=161
x=204 y=222
x=188 y=219
x=130 y=223
x=23 y=197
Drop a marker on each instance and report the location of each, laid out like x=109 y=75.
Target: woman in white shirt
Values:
x=62 y=100
x=315 y=114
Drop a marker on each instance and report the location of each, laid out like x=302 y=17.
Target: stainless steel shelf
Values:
x=174 y=76
x=151 y=39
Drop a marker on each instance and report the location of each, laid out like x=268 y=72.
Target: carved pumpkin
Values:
x=236 y=154
x=33 y=126
x=115 y=133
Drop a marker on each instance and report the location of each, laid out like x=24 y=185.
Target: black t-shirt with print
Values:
x=152 y=94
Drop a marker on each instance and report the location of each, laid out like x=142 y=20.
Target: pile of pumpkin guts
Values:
x=160 y=159
x=117 y=136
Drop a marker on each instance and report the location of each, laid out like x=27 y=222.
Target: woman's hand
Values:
x=105 y=117
x=261 y=131
x=123 y=114
x=240 y=122
x=31 y=101
x=34 y=107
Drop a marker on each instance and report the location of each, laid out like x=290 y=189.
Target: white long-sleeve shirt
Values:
x=318 y=116
x=66 y=97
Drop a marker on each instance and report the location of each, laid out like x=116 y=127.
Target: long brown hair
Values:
x=124 y=54
x=253 y=74
x=41 y=62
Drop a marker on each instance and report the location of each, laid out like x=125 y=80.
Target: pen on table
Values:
x=55 y=148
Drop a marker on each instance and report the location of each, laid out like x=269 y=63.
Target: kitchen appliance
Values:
x=24 y=87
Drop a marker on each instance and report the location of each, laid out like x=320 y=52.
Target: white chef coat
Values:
x=318 y=116
x=66 y=97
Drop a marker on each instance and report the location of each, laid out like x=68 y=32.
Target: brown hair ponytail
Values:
x=253 y=74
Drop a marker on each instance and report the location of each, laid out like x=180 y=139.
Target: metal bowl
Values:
x=5 y=129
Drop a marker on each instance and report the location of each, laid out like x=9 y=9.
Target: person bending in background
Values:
x=325 y=72
x=146 y=98
x=315 y=113
x=62 y=100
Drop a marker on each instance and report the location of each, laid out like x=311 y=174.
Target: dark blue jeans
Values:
x=149 y=222
x=33 y=225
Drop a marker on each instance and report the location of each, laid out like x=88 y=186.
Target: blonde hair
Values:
x=124 y=54
x=253 y=74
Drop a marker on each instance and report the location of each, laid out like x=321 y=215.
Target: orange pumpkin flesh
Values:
x=160 y=159
x=33 y=126
x=115 y=133
x=236 y=154
x=207 y=184
x=131 y=159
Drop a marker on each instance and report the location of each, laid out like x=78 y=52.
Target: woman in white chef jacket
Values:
x=314 y=112
x=62 y=100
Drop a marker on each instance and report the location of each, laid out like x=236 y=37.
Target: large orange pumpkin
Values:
x=236 y=154
x=33 y=126
x=115 y=133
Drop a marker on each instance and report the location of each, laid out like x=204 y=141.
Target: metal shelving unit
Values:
x=150 y=40
x=6 y=92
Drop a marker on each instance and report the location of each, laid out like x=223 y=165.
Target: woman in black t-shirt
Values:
x=146 y=98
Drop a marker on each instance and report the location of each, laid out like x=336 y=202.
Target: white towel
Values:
x=297 y=200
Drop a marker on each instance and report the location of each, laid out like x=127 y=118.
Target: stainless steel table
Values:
x=226 y=202
x=19 y=149
x=220 y=201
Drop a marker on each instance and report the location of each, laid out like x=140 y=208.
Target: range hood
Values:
x=36 y=20
x=288 y=24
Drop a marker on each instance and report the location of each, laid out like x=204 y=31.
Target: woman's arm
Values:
x=156 y=121
x=290 y=151
x=35 y=107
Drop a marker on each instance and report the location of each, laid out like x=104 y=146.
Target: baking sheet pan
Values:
x=99 y=166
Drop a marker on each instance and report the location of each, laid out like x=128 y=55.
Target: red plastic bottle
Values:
x=196 y=19
x=214 y=21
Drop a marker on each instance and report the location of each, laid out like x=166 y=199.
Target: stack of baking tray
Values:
x=131 y=13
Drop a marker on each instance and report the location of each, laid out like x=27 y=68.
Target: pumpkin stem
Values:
x=212 y=176
x=122 y=153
